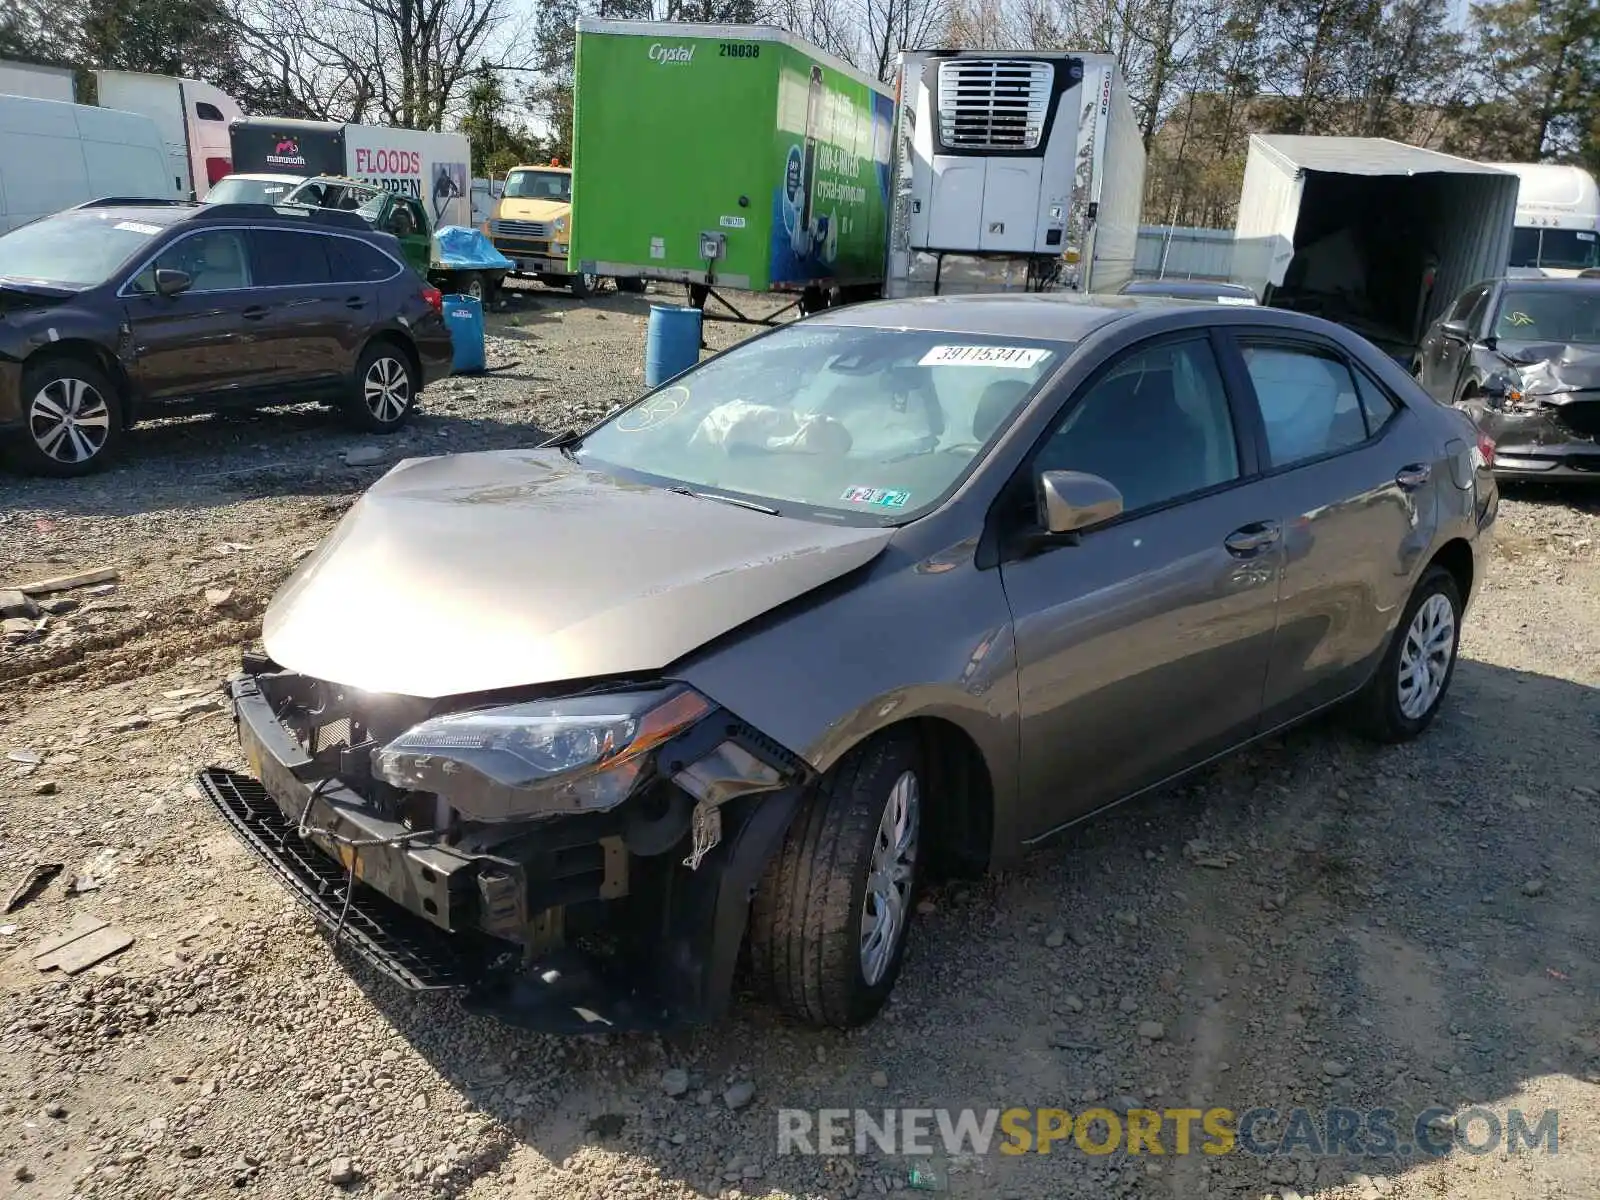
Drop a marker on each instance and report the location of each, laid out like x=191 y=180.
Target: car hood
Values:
x=476 y=572
x=1549 y=368
x=532 y=210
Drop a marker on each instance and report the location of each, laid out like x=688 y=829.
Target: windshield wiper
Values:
x=734 y=500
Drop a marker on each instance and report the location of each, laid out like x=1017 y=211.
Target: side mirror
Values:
x=1072 y=501
x=170 y=282
x=1456 y=331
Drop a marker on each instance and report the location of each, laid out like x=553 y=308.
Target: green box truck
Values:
x=728 y=155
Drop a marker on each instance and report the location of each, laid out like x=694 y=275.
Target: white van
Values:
x=1557 y=233
x=193 y=118
x=54 y=155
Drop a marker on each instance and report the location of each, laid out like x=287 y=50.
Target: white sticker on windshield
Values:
x=1245 y=300
x=138 y=227
x=1019 y=357
x=1584 y=237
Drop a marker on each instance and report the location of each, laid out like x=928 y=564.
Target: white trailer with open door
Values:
x=193 y=118
x=1374 y=234
x=1014 y=171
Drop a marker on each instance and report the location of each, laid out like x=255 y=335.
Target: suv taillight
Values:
x=434 y=297
x=1486 y=449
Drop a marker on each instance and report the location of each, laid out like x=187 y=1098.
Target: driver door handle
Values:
x=255 y=312
x=1250 y=540
x=1412 y=477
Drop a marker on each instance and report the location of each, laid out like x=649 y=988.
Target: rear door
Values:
x=202 y=341
x=312 y=315
x=1350 y=473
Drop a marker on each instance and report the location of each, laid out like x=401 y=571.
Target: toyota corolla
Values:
x=901 y=589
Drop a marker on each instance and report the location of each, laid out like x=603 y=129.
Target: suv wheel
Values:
x=1405 y=694
x=385 y=389
x=71 y=420
x=829 y=920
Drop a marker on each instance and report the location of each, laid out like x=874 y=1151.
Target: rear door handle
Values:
x=1414 y=476
x=1249 y=540
x=255 y=312
x=355 y=302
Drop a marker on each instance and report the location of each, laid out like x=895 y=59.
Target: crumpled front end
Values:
x=571 y=862
x=1554 y=435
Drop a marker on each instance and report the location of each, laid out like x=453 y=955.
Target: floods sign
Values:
x=393 y=170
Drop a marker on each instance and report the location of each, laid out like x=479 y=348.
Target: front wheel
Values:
x=385 y=389
x=71 y=419
x=829 y=920
x=1404 y=696
x=584 y=285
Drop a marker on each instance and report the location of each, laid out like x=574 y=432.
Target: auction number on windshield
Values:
x=656 y=410
x=739 y=50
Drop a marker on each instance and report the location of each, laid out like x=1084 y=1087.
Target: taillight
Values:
x=434 y=297
x=1485 y=450
x=218 y=168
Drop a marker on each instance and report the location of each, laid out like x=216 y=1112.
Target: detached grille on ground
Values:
x=402 y=946
x=993 y=103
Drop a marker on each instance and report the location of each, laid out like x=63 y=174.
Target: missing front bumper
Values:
x=562 y=993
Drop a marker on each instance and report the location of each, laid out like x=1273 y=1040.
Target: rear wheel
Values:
x=829 y=920
x=71 y=419
x=472 y=283
x=584 y=285
x=385 y=389
x=1404 y=695
x=630 y=283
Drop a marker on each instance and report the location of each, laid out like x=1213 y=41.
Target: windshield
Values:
x=75 y=249
x=878 y=424
x=235 y=190
x=539 y=185
x=1567 y=315
x=1560 y=249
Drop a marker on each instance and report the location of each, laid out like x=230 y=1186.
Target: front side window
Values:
x=1471 y=301
x=837 y=423
x=215 y=261
x=1156 y=426
x=74 y=250
x=1308 y=401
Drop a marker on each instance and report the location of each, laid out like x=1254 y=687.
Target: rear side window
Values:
x=207 y=112
x=354 y=261
x=289 y=258
x=1377 y=406
x=1308 y=401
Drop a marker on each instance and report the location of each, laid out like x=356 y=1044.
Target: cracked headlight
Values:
x=544 y=757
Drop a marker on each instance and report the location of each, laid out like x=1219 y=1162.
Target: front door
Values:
x=405 y=219
x=202 y=341
x=1143 y=648
x=1351 y=474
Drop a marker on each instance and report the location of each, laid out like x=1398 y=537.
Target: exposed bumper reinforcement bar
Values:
x=564 y=993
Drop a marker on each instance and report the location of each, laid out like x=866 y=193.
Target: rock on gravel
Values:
x=739 y=1095
x=342 y=1171
x=675 y=1081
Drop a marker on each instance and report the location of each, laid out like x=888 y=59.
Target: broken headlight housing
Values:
x=539 y=758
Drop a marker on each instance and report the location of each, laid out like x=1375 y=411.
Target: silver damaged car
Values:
x=903 y=589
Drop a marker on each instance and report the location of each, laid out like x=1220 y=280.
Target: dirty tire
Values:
x=472 y=283
x=583 y=285
x=384 y=391
x=807 y=916
x=72 y=420
x=630 y=283
x=1377 y=712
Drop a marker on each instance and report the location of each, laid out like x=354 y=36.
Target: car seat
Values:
x=999 y=400
x=221 y=265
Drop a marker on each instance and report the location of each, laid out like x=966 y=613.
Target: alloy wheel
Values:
x=387 y=389
x=885 y=910
x=69 y=420
x=1425 y=656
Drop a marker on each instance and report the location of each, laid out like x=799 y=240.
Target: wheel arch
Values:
x=1456 y=557
x=82 y=349
x=393 y=337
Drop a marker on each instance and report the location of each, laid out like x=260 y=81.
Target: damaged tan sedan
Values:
x=903 y=588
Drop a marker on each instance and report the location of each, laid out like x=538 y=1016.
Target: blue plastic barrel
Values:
x=464 y=316
x=671 y=342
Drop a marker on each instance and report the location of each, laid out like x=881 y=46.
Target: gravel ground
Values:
x=1315 y=922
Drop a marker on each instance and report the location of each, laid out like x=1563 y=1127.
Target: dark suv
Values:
x=117 y=310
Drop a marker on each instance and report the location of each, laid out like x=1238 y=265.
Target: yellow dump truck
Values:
x=531 y=224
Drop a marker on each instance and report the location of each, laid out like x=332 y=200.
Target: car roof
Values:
x=1057 y=316
x=1578 y=284
x=266 y=176
x=1184 y=287
x=161 y=213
